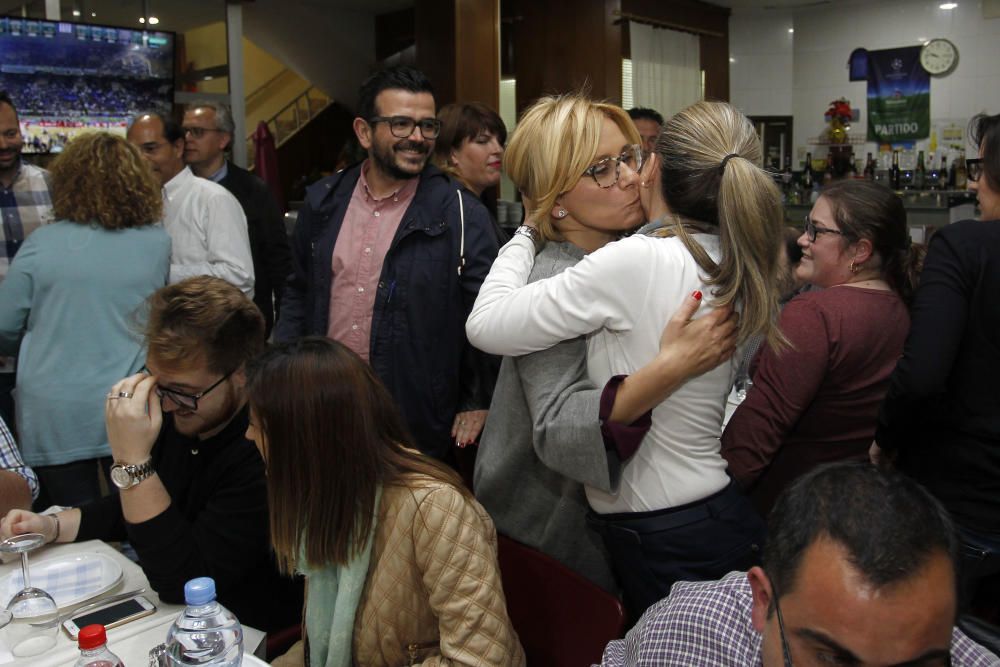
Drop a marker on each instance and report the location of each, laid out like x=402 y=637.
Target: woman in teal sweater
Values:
x=67 y=307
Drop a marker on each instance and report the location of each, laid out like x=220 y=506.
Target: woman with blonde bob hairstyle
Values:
x=66 y=306
x=400 y=560
x=674 y=515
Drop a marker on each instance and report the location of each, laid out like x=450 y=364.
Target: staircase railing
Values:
x=291 y=118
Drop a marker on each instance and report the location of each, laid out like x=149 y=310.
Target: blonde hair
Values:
x=709 y=154
x=555 y=141
x=102 y=179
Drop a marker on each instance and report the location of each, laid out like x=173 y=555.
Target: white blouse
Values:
x=621 y=296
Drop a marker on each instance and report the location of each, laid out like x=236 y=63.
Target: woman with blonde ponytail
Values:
x=675 y=515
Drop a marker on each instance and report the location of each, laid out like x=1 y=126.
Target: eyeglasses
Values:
x=199 y=132
x=812 y=230
x=402 y=126
x=781 y=624
x=602 y=173
x=184 y=400
x=974 y=168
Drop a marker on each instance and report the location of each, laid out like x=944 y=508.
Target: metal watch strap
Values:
x=137 y=472
x=531 y=233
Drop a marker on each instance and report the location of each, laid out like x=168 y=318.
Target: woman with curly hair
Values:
x=66 y=307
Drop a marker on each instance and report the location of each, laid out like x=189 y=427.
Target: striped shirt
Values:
x=10 y=459
x=25 y=206
x=708 y=623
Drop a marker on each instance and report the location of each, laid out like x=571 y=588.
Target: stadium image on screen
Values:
x=66 y=78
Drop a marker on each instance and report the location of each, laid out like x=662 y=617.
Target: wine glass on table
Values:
x=30 y=606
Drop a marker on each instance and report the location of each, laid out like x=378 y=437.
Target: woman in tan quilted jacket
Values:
x=400 y=560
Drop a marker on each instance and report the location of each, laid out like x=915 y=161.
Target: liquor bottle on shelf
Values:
x=870 y=168
x=828 y=172
x=894 y=172
x=920 y=173
x=786 y=178
x=961 y=176
x=952 y=173
x=807 y=173
x=943 y=173
x=933 y=175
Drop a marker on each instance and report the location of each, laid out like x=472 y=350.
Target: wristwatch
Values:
x=127 y=475
x=531 y=233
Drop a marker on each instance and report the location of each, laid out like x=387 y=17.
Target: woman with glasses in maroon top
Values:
x=817 y=401
x=941 y=418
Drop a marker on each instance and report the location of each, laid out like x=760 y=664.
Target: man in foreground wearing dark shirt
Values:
x=859 y=569
x=193 y=492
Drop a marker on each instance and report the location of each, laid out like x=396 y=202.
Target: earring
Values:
x=854 y=269
x=561 y=213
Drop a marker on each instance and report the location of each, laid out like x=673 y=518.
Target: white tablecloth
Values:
x=132 y=641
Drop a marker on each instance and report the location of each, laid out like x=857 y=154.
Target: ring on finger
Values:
x=125 y=394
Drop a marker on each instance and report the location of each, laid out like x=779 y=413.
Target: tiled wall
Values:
x=780 y=73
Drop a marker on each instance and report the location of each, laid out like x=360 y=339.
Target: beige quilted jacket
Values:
x=433 y=595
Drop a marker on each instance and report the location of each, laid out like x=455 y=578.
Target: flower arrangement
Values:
x=839 y=115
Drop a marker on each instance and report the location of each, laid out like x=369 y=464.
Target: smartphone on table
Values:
x=112 y=616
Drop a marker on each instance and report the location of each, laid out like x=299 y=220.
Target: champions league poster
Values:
x=899 y=96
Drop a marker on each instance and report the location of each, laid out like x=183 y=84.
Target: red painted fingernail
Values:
x=696 y=294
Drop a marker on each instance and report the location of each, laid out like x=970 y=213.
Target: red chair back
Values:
x=562 y=619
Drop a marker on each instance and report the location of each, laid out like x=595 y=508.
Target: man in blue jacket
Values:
x=388 y=258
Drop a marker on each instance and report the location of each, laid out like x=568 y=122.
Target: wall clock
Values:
x=939 y=57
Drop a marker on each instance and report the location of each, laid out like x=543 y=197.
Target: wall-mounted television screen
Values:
x=66 y=78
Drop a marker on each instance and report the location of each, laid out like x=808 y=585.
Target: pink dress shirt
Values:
x=369 y=226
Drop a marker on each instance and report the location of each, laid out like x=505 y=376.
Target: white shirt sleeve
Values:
x=511 y=317
x=227 y=245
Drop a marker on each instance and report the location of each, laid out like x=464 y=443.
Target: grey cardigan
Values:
x=542 y=442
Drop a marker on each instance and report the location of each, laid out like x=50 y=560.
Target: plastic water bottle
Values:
x=206 y=633
x=93 y=643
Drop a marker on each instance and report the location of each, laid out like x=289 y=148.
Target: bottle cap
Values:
x=92 y=636
x=199 y=591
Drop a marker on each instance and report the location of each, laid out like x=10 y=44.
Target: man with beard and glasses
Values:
x=25 y=205
x=192 y=495
x=388 y=257
x=858 y=569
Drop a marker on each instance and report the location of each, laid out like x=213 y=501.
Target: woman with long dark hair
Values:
x=816 y=400
x=400 y=560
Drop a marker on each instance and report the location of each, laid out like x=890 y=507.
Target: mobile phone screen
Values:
x=109 y=615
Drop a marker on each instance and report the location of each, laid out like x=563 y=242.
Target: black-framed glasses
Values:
x=974 y=168
x=185 y=400
x=199 y=132
x=781 y=624
x=813 y=230
x=402 y=126
x=605 y=176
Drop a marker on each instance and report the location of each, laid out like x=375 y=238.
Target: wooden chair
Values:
x=562 y=619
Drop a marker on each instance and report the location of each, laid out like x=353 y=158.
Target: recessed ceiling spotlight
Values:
x=791 y=30
x=93 y=15
x=731 y=59
x=153 y=20
x=76 y=12
x=949 y=5
x=142 y=19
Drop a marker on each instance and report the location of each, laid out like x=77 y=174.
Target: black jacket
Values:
x=418 y=344
x=941 y=415
x=272 y=258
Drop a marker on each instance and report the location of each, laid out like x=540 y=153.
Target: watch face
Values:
x=120 y=477
x=939 y=56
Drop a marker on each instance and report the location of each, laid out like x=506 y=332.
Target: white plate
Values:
x=69 y=580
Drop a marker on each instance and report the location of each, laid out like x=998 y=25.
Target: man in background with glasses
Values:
x=192 y=495
x=208 y=137
x=859 y=569
x=207 y=227
x=389 y=256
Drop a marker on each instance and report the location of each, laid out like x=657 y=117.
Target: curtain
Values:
x=666 y=68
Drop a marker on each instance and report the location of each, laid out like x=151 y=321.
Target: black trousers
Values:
x=700 y=541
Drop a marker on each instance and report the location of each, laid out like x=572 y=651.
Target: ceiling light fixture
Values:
x=949 y=5
x=93 y=15
x=731 y=59
x=153 y=20
x=142 y=19
x=791 y=30
x=76 y=12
